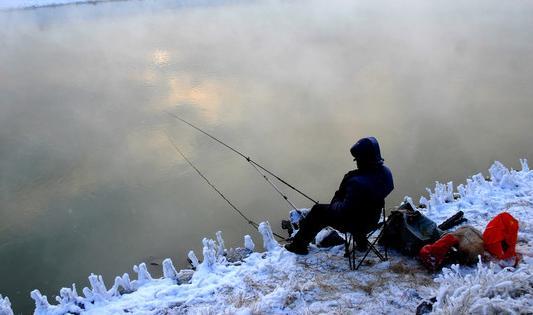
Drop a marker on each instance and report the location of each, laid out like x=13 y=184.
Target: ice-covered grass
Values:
x=487 y=290
x=22 y=4
x=279 y=282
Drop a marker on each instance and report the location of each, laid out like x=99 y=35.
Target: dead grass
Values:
x=400 y=268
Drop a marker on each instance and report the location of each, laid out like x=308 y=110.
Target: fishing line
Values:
x=256 y=165
x=251 y=222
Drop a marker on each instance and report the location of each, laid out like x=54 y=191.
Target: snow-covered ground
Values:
x=20 y=4
x=279 y=282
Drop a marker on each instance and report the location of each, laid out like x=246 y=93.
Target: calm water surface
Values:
x=90 y=183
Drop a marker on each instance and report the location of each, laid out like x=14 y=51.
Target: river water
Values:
x=90 y=183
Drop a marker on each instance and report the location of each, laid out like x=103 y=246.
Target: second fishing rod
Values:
x=259 y=168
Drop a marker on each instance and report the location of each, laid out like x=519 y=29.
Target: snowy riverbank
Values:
x=279 y=282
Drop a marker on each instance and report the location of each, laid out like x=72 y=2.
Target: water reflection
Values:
x=160 y=57
x=89 y=182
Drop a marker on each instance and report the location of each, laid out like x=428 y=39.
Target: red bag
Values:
x=432 y=256
x=500 y=236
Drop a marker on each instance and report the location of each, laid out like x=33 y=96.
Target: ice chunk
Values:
x=41 y=302
x=249 y=243
x=5 y=306
x=525 y=166
x=497 y=171
x=168 y=269
x=143 y=275
x=193 y=259
x=99 y=291
x=220 y=244
x=209 y=252
x=269 y=243
x=124 y=282
x=69 y=300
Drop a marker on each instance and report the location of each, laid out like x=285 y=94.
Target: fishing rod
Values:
x=256 y=165
x=251 y=222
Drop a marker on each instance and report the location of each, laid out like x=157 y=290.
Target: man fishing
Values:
x=356 y=205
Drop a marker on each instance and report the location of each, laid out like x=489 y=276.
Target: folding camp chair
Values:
x=350 y=246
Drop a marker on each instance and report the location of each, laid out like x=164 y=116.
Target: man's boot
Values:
x=296 y=247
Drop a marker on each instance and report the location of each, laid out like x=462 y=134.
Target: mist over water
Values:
x=90 y=183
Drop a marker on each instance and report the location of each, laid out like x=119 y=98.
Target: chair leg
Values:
x=383 y=231
x=347 y=252
x=352 y=257
x=371 y=247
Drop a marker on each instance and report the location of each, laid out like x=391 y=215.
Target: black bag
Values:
x=408 y=231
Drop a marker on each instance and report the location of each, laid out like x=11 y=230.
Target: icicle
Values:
x=5 y=306
x=462 y=191
x=449 y=192
x=67 y=295
x=143 y=275
x=508 y=182
x=88 y=293
x=99 y=290
x=443 y=193
x=480 y=180
x=193 y=259
x=209 y=254
x=169 y=271
x=249 y=243
x=525 y=166
x=69 y=300
x=497 y=172
x=221 y=251
x=123 y=282
x=41 y=301
x=432 y=198
x=114 y=291
x=269 y=243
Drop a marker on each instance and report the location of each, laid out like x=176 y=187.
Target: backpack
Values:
x=408 y=231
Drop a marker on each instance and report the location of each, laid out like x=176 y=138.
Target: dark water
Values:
x=90 y=183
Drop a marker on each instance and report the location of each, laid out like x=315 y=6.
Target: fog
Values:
x=90 y=183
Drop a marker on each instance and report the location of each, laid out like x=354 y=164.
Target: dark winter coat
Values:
x=362 y=192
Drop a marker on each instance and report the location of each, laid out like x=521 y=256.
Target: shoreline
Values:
x=275 y=281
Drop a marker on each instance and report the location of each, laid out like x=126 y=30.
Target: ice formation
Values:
x=5 y=306
x=249 y=243
x=269 y=243
x=169 y=271
x=487 y=290
x=221 y=250
x=193 y=259
x=143 y=275
x=210 y=258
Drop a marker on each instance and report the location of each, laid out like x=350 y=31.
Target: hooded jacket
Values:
x=362 y=192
